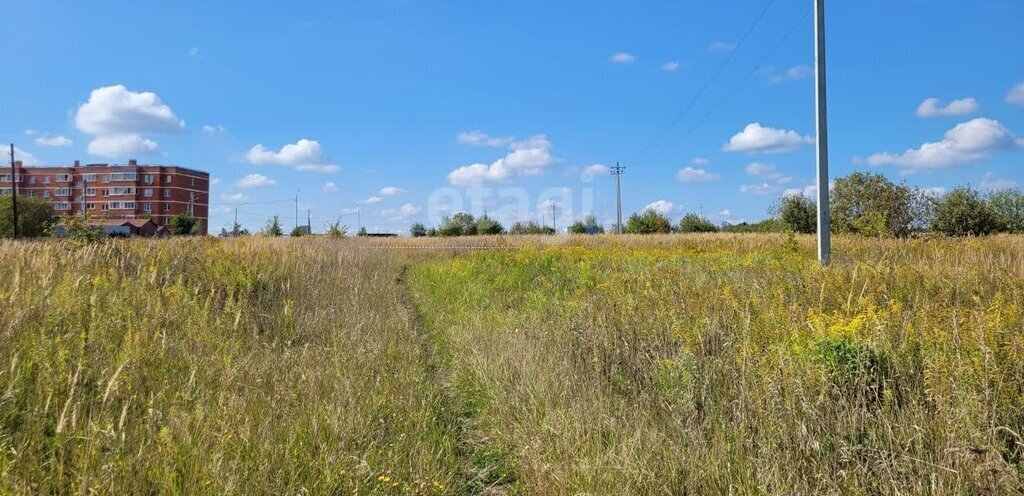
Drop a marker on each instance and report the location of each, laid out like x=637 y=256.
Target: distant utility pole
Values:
x=553 y=224
x=309 y=223
x=14 y=193
x=297 y=209
x=824 y=236
x=234 y=227
x=617 y=172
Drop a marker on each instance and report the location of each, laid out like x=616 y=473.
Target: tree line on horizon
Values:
x=862 y=203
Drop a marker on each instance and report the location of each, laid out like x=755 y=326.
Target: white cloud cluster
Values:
x=933 y=107
x=117 y=118
x=670 y=66
x=24 y=157
x=303 y=155
x=527 y=157
x=966 y=143
x=213 y=129
x=373 y=199
x=663 y=207
x=57 y=141
x=389 y=191
x=992 y=183
x=623 y=58
x=597 y=170
x=329 y=187
x=766 y=171
x=773 y=180
x=1016 y=95
x=756 y=138
x=480 y=138
x=403 y=212
x=695 y=175
x=255 y=181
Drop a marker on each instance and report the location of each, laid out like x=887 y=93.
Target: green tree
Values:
x=588 y=225
x=460 y=224
x=299 y=231
x=521 y=228
x=184 y=224
x=486 y=226
x=35 y=217
x=867 y=203
x=418 y=230
x=236 y=231
x=1008 y=207
x=962 y=212
x=798 y=213
x=362 y=232
x=649 y=222
x=693 y=223
x=272 y=228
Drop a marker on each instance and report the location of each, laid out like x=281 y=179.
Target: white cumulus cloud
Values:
x=695 y=175
x=373 y=199
x=213 y=129
x=403 y=212
x=933 y=107
x=967 y=143
x=58 y=140
x=670 y=66
x=118 y=118
x=597 y=170
x=1016 y=95
x=794 y=73
x=303 y=155
x=766 y=171
x=663 y=207
x=760 y=189
x=756 y=138
x=480 y=138
x=329 y=187
x=255 y=181
x=527 y=157
x=390 y=191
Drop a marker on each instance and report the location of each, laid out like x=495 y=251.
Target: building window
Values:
x=46 y=193
x=167 y=193
x=31 y=179
x=147 y=207
x=148 y=192
x=104 y=207
x=106 y=178
x=122 y=190
x=46 y=179
x=62 y=206
x=148 y=178
x=5 y=191
x=167 y=207
x=90 y=191
x=63 y=191
x=167 y=179
x=193 y=181
x=89 y=177
x=63 y=177
x=30 y=193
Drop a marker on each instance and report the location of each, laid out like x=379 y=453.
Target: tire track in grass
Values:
x=487 y=468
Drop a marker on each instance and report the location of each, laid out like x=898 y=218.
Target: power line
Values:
x=757 y=66
x=721 y=66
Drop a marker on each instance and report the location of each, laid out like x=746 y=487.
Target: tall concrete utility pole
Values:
x=824 y=236
x=14 y=194
x=617 y=172
x=297 y=209
x=554 y=224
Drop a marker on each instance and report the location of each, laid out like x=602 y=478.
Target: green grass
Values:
x=701 y=364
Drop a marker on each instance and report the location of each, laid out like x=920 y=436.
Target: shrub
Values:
x=486 y=226
x=417 y=230
x=962 y=212
x=588 y=225
x=856 y=371
x=649 y=222
x=272 y=228
x=798 y=213
x=861 y=195
x=460 y=224
x=693 y=223
x=1008 y=207
x=299 y=231
x=35 y=217
x=337 y=230
x=236 y=231
x=531 y=227
x=184 y=224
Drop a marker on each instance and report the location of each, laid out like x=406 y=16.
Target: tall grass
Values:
x=729 y=364
x=199 y=366
x=701 y=364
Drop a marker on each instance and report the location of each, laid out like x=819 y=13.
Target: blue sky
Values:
x=406 y=109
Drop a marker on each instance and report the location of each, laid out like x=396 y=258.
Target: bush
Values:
x=870 y=204
x=857 y=371
x=337 y=230
x=236 y=231
x=693 y=223
x=460 y=224
x=531 y=227
x=649 y=222
x=272 y=228
x=1008 y=207
x=962 y=212
x=486 y=226
x=184 y=224
x=35 y=217
x=799 y=213
x=417 y=230
x=588 y=225
x=299 y=231
x=765 y=226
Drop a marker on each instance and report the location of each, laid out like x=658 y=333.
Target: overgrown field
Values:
x=661 y=365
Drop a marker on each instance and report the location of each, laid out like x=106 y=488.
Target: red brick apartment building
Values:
x=108 y=191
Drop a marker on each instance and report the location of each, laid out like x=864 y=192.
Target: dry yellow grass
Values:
x=635 y=365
